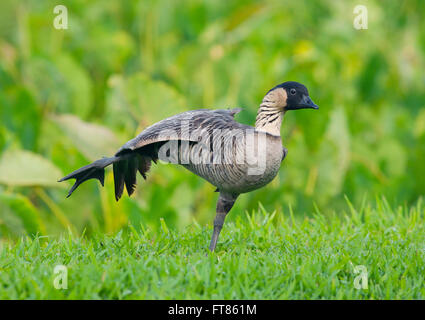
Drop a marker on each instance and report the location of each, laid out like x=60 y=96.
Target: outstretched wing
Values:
x=180 y=127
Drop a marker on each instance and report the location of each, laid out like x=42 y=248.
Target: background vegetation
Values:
x=68 y=97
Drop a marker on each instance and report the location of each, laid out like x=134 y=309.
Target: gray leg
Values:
x=224 y=204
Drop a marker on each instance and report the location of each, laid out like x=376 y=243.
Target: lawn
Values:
x=259 y=256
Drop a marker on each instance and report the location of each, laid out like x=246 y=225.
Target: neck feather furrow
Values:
x=269 y=119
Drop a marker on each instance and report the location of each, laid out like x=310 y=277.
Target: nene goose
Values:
x=233 y=157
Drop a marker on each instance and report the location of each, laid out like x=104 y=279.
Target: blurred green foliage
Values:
x=70 y=96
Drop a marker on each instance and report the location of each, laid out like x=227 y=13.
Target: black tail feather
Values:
x=130 y=175
x=94 y=170
x=125 y=168
x=144 y=164
x=120 y=167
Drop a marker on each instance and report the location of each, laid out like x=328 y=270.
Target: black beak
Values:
x=305 y=103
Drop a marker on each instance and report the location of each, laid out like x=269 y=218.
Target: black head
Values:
x=297 y=96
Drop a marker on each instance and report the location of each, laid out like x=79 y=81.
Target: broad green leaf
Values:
x=419 y=128
x=77 y=85
x=144 y=99
x=334 y=154
x=25 y=168
x=60 y=84
x=394 y=157
x=20 y=115
x=27 y=214
x=92 y=140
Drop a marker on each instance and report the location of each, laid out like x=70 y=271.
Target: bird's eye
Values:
x=293 y=91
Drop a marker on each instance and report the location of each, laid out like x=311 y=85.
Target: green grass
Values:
x=260 y=256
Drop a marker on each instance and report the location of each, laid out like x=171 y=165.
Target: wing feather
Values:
x=175 y=127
